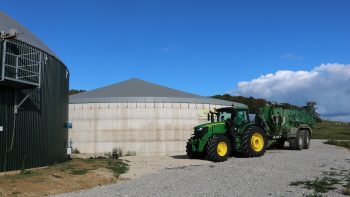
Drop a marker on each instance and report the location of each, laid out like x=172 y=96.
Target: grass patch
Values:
x=345 y=144
x=331 y=130
x=313 y=195
x=118 y=167
x=319 y=185
x=23 y=174
x=79 y=171
x=75 y=174
x=331 y=180
x=83 y=166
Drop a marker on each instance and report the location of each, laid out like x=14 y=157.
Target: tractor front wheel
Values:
x=218 y=148
x=189 y=150
x=254 y=142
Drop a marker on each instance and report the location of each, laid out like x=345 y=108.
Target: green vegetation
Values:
x=83 y=166
x=23 y=174
x=75 y=174
x=119 y=168
x=319 y=185
x=328 y=182
x=74 y=91
x=79 y=171
x=345 y=144
x=331 y=130
x=313 y=195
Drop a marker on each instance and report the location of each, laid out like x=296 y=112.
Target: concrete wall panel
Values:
x=146 y=128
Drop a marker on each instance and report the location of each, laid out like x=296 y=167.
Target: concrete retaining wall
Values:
x=144 y=128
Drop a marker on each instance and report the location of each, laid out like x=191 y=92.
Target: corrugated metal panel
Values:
x=40 y=137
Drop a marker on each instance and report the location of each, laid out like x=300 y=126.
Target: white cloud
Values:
x=327 y=84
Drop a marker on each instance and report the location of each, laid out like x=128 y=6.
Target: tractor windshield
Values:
x=224 y=116
x=221 y=115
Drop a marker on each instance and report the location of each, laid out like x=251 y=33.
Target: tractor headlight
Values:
x=199 y=129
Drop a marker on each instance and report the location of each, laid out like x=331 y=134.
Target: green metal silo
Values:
x=34 y=86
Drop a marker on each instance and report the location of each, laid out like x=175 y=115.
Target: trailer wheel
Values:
x=280 y=144
x=189 y=150
x=306 y=139
x=297 y=143
x=218 y=148
x=254 y=142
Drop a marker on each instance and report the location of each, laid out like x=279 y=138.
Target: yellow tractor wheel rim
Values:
x=222 y=149
x=257 y=142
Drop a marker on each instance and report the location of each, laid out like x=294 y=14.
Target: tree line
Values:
x=74 y=91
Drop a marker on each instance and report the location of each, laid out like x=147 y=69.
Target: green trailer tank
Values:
x=230 y=130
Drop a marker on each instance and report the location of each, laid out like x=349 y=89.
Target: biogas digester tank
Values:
x=34 y=87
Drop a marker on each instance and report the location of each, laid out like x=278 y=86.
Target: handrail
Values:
x=21 y=63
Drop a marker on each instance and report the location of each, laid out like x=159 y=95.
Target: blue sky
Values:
x=203 y=47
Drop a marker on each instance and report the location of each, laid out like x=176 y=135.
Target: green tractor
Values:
x=230 y=130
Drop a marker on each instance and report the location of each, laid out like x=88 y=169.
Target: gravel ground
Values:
x=269 y=175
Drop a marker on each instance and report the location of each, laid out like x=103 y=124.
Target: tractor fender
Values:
x=253 y=125
x=293 y=132
x=306 y=127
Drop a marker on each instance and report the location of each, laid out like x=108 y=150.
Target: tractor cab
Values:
x=234 y=116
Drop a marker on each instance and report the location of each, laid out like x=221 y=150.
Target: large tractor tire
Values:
x=297 y=143
x=218 y=148
x=189 y=151
x=254 y=142
x=306 y=139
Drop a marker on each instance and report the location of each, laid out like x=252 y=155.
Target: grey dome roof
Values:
x=7 y=23
x=136 y=90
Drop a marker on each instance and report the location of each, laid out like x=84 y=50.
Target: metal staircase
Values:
x=20 y=65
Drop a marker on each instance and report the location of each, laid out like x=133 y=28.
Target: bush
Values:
x=344 y=143
x=118 y=167
x=117 y=152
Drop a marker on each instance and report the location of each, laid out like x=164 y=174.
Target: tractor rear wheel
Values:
x=306 y=139
x=297 y=143
x=254 y=142
x=218 y=148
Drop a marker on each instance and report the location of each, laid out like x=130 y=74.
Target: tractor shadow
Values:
x=286 y=147
x=186 y=157
x=179 y=156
